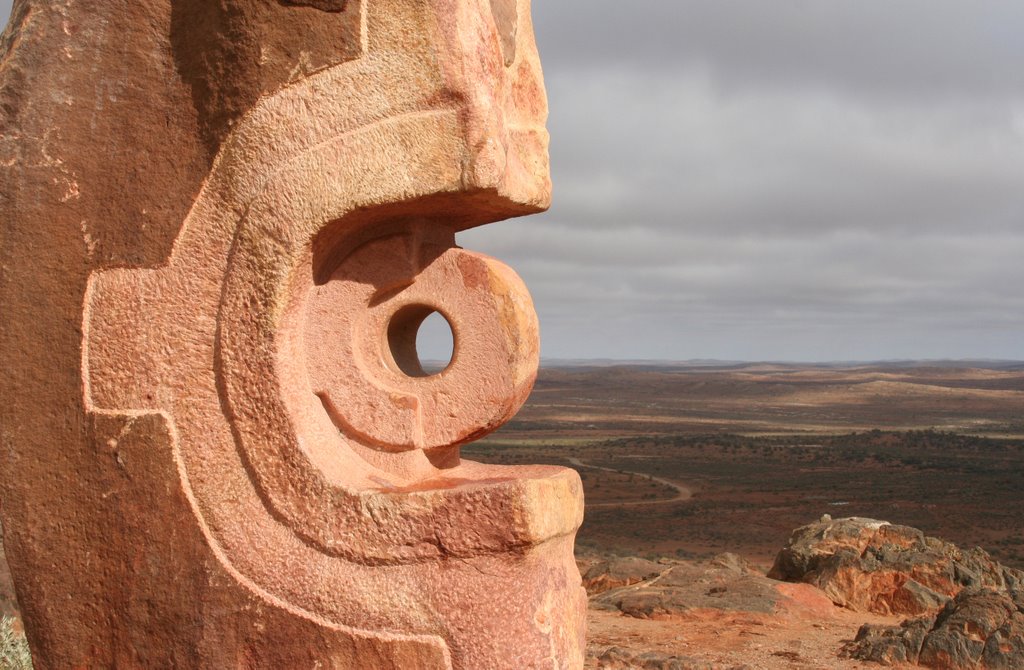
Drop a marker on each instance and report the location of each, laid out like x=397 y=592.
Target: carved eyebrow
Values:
x=506 y=17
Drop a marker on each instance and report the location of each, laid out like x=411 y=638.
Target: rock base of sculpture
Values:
x=150 y=592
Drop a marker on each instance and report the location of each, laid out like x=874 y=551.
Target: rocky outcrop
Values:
x=889 y=645
x=724 y=614
x=968 y=609
x=874 y=566
x=979 y=629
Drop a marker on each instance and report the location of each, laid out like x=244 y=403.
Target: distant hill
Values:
x=717 y=364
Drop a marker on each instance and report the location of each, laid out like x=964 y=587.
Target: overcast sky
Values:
x=778 y=179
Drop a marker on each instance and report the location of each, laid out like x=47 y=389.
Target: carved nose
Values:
x=361 y=350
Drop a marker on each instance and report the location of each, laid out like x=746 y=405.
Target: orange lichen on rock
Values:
x=874 y=566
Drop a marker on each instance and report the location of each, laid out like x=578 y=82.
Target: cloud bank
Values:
x=795 y=179
x=791 y=180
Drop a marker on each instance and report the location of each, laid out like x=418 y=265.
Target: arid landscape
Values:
x=682 y=463
x=761 y=449
x=511 y=335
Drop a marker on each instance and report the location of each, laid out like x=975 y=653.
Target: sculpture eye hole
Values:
x=421 y=341
x=506 y=18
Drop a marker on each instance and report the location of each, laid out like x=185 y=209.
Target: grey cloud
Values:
x=802 y=158
x=793 y=179
x=943 y=47
x=783 y=180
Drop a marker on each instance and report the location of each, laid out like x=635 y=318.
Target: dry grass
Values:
x=14 y=652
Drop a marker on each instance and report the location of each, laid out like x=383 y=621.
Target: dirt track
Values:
x=682 y=492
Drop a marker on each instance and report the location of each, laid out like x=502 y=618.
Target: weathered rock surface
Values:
x=979 y=629
x=678 y=589
x=620 y=571
x=874 y=566
x=618 y=658
x=713 y=615
x=8 y=602
x=889 y=645
x=723 y=614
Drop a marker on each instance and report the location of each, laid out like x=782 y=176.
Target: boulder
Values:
x=875 y=566
x=889 y=645
x=979 y=629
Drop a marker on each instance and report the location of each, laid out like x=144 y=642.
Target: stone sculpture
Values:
x=223 y=224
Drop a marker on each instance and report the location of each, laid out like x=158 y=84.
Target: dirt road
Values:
x=682 y=492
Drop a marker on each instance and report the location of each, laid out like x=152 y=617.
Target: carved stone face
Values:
x=334 y=201
x=231 y=253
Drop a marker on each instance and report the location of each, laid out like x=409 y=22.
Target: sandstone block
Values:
x=223 y=225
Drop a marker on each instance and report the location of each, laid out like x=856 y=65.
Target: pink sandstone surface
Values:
x=223 y=225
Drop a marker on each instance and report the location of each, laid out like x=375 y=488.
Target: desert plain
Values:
x=691 y=460
x=684 y=462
